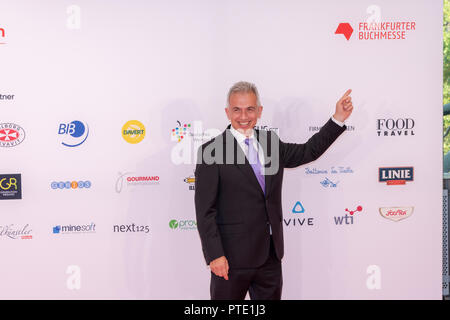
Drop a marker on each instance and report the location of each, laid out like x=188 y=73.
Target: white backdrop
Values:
x=171 y=63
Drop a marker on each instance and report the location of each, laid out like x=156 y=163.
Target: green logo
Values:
x=173 y=224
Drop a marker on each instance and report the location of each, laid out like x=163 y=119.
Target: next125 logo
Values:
x=74 y=133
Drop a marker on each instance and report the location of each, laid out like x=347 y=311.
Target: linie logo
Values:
x=396 y=213
x=395 y=176
x=345 y=29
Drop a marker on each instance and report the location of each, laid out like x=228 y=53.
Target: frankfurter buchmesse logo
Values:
x=396 y=175
x=10 y=186
x=11 y=135
x=74 y=133
x=133 y=131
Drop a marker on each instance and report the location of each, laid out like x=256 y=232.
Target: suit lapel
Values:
x=240 y=160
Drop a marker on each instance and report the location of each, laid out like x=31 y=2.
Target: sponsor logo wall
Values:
x=87 y=199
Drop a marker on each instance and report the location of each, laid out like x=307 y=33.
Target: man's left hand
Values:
x=344 y=107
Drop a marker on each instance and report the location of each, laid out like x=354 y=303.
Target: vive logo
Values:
x=74 y=133
x=298 y=208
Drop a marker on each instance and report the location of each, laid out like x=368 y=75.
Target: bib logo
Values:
x=10 y=186
x=396 y=213
x=11 y=135
x=73 y=134
x=133 y=131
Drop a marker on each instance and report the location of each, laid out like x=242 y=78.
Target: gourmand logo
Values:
x=396 y=213
x=129 y=179
x=11 y=135
x=395 y=175
x=10 y=186
x=74 y=133
x=133 y=131
x=15 y=232
x=374 y=28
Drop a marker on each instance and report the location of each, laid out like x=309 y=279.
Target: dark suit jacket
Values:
x=233 y=214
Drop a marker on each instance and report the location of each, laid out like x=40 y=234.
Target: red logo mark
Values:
x=359 y=208
x=345 y=29
x=8 y=135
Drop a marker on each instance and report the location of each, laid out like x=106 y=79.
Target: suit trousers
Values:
x=262 y=283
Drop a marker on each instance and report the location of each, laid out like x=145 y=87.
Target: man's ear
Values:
x=226 y=111
x=260 y=109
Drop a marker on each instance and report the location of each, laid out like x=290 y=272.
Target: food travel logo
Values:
x=395 y=127
x=71 y=184
x=74 y=229
x=298 y=222
x=129 y=179
x=74 y=133
x=11 y=135
x=15 y=232
x=347 y=219
x=183 y=224
x=133 y=131
x=396 y=213
x=396 y=175
x=10 y=186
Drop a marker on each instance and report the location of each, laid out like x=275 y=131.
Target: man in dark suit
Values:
x=238 y=184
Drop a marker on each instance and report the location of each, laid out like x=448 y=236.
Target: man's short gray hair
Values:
x=243 y=86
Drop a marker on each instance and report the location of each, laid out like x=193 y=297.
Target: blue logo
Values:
x=298 y=208
x=56 y=229
x=328 y=183
x=70 y=184
x=74 y=133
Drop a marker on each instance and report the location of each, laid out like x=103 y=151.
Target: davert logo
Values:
x=396 y=176
x=74 y=133
x=11 y=135
x=133 y=131
x=10 y=186
x=396 y=213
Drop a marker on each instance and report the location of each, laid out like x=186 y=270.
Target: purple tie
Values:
x=256 y=165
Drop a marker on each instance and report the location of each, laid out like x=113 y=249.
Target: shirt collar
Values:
x=239 y=136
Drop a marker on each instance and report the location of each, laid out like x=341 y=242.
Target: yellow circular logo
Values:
x=133 y=131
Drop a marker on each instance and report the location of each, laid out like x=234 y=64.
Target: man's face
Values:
x=243 y=111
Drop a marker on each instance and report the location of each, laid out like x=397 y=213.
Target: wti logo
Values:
x=396 y=176
x=396 y=213
x=73 y=134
